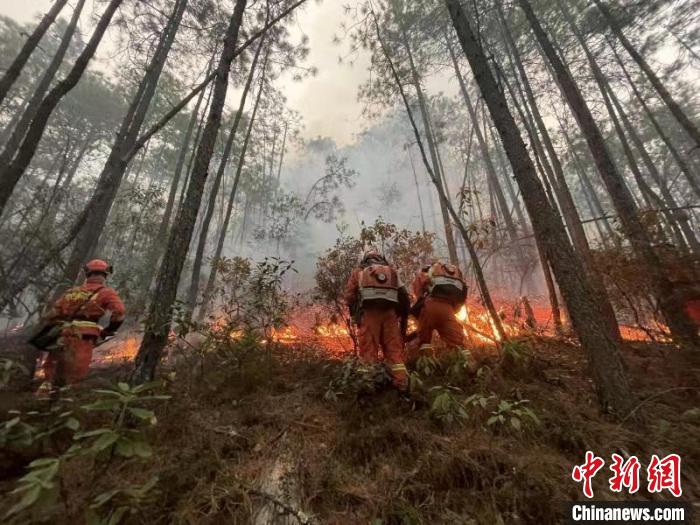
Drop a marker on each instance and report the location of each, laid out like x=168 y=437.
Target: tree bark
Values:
x=112 y=174
x=485 y=154
x=603 y=352
x=673 y=106
x=681 y=327
x=675 y=219
x=612 y=104
x=201 y=245
x=692 y=178
x=432 y=147
x=211 y=281
x=478 y=272
x=11 y=173
x=42 y=87
x=15 y=69
x=160 y=312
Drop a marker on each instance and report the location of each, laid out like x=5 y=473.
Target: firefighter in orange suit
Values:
x=379 y=303
x=440 y=292
x=77 y=313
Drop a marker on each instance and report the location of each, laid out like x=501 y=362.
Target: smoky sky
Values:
x=327 y=102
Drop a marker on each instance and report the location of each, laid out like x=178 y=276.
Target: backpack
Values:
x=379 y=285
x=446 y=282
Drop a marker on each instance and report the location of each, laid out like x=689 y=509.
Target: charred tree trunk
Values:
x=201 y=245
x=673 y=106
x=11 y=173
x=681 y=327
x=589 y=323
x=15 y=69
x=160 y=312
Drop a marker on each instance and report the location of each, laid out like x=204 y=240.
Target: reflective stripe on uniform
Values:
x=387 y=294
x=425 y=347
x=398 y=367
x=82 y=324
x=446 y=281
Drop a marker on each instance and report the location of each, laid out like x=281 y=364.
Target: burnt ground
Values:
x=238 y=429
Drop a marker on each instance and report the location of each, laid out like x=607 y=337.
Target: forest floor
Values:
x=243 y=440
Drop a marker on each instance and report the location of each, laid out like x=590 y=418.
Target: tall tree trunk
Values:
x=589 y=323
x=505 y=173
x=282 y=150
x=673 y=106
x=478 y=272
x=160 y=312
x=580 y=168
x=13 y=72
x=692 y=177
x=211 y=281
x=676 y=218
x=195 y=144
x=485 y=154
x=201 y=245
x=42 y=87
x=158 y=247
x=432 y=147
x=415 y=180
x=11 y=173
x=112 y=174
x=681 y=327
x=610 y=100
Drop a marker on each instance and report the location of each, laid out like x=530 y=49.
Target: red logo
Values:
x=587 y=472
x=665 y=474
x=662 y=474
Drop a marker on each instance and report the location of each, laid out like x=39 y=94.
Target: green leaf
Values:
x=142 y=413
x=108 y=392
x=124 y=387
x=515 y=423
x=103 y=498
x=11 y=423
x=92 y=433
x=43 y=462
x=124 y=448
x=142 y=449
x=30 y=497
x=492 y=420
x=72 y=424
x=103 y=404
x=106 y=440
x=117 y=516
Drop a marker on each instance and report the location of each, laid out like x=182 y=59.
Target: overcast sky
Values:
x=311 y=97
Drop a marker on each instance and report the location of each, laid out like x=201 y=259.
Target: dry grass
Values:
x=378 y=457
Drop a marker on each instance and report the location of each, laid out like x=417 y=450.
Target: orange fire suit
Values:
x=438 y=315
x=692 y=309
x=77 y=312
x=378 y=328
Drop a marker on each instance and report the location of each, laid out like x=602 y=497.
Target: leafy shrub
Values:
x=36 y=496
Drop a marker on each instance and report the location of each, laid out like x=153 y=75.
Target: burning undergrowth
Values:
x=252 y=410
